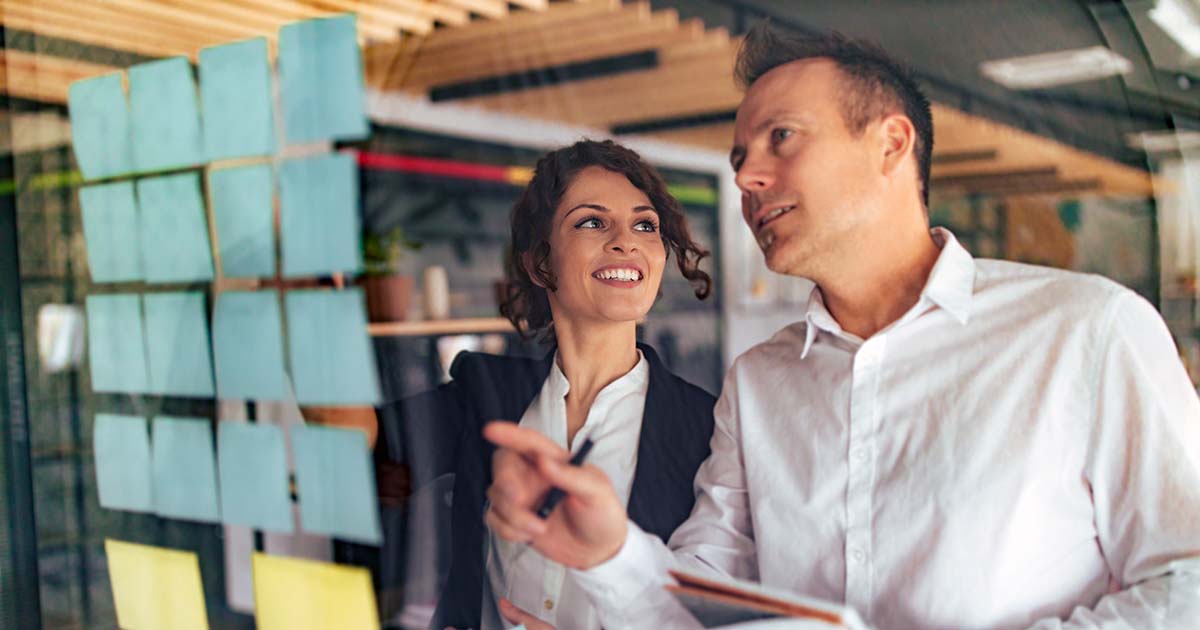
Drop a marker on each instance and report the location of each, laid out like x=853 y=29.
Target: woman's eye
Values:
x=646 y=226
x=591 y=222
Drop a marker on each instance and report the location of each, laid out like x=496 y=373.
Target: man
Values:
x=941 y=441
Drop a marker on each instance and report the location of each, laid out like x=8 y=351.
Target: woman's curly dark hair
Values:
x=525 y=303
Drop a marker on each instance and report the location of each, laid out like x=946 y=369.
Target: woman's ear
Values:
x=532 y=270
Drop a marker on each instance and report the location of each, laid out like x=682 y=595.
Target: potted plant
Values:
x=388 y=289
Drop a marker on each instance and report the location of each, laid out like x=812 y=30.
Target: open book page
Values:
x=720 y=602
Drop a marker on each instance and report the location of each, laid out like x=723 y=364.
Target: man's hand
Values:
x=516 y=615
x=588 y=526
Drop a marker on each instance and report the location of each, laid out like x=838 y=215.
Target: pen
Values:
x=555 y=496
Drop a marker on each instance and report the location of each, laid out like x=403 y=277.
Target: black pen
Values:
x=555 y=495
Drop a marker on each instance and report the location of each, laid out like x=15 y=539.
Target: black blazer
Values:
x=440 y=432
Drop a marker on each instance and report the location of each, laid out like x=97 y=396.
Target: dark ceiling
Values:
x=946 y=40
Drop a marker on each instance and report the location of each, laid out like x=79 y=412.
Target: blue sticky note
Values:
x=177 y=344
x=100 y=126
x=121 y=446
x=248 y=345
x=110 y=230
x=185 y=471
x=166 y=115
x=174 y=233
x=253 y=470
x=243 y=208
x=116 y=344
x=332 y=359
x=335 y=483
x=321 y=80
x=319 y=220
x=235 y=90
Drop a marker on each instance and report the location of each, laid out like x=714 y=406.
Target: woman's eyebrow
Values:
x=593 y=206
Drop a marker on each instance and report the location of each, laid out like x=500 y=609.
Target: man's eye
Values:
x=591 y=222
x=780 y=134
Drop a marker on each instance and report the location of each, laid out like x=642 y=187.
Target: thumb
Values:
x=514 y=615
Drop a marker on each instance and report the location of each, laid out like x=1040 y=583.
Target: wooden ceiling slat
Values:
x=260 y=23
x=487 y=8
x=633 y=34
x=176 y=17
x=681 y=88
x=372 y=13
x=295 y=10
x=187 y=40
x=451 y=16
x=47 y=20
x=564 y=34
x=520 y=23
x=532 y=5
x=43 y=78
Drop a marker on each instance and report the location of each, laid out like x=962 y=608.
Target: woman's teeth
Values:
x=625 y=275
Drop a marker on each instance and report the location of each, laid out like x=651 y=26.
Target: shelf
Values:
x=466 y=326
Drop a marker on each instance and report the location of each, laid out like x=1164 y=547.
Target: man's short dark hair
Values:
x=875 y=84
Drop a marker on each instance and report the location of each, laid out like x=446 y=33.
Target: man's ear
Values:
x=899 y=140
x=531 y=269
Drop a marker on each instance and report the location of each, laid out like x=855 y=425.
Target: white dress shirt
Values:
x=1021 y=448
x=614 y=423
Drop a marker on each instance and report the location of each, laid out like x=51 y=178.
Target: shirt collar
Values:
x=951 y=285
x=633 y=380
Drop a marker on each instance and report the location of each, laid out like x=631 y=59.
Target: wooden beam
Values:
x=521 y=22
x=487 y=8
x=377 y=15
x=44 y=78
x=630 y=34
x=176 y=17
x=187 y=39
x=51 y=21
x=695 y=86
x=958 y=131
x=563 y=33
x=532 y=5
x=445 y=14
x=294 y=10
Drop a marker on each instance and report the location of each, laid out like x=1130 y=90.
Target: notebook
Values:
x=720 y=602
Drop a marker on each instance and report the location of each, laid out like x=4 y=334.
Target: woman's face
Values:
x=605 y=250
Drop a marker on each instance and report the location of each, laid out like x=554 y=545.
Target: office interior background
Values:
x=215 y=214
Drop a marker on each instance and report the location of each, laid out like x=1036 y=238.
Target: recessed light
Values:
x=1056 y=68
x=1180 y=20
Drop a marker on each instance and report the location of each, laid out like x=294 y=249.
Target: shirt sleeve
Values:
x=1144 y=471
x=629 y=591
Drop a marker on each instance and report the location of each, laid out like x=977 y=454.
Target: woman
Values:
x=591 y=236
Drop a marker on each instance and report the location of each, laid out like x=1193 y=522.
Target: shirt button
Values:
x=859 y=555
x=548 y=604
x=860 y=454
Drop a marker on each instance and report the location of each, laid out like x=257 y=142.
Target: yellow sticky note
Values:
x=155 y=588
x=295 y=594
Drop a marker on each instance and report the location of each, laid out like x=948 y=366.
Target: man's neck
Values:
x=877 y=289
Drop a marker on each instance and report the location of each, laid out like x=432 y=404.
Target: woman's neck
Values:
x=591 y=356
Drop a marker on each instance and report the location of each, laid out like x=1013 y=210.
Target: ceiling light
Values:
x=1181 y=20
x=1056 y=68
x=1168 y=141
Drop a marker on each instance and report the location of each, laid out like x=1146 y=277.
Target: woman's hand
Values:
x=516 y=615
x=588 y=526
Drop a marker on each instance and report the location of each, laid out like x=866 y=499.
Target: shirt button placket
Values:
x=863 y=411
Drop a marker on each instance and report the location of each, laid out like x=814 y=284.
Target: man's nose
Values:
x=755 y=175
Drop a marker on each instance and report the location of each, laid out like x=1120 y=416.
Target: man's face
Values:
x=810 y=189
